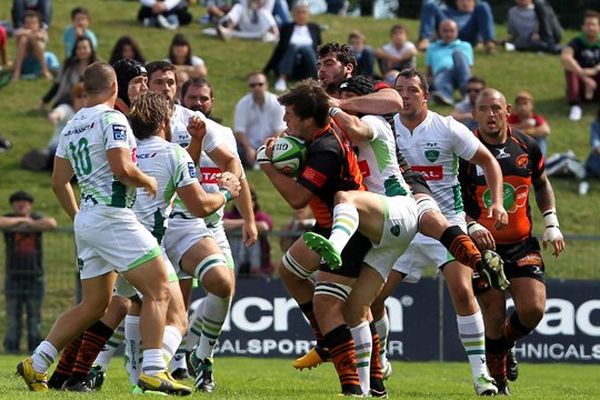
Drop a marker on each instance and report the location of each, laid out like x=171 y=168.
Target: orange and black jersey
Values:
x=522 y=164
x=330 y=167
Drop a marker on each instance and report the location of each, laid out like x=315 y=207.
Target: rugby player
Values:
x=522 y=165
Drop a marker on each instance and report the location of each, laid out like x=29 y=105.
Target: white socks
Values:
x=363 y=343
x=472 y=336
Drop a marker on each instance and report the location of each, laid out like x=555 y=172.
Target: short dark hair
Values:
x=98 y=77
x=591 y=14
x=79 y=10
x=163 y=66
x=397 y=28
x=198 y=82
x=147 y=113
x=343 y=53
x=309 y=100
x=410 y=73
x=476 y=79
x=32 y=13
x=21 y=195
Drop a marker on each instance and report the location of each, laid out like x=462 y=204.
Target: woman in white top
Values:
x=180 y=55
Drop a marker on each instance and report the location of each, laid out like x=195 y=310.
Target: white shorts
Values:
x=399 y=228
x=181 y=235
x=425 y=252
x=221 y=238
x=111 y=239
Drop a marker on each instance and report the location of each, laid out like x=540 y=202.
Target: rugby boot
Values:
x=387 y=370
x=180 y=374
x=485 y=385
x=97 y=377
x=492 y=270
x=315 y=357
x=512 y=366
x=204 y=381
x=323 y=247
x=162 y=382
x=78 y=384
x=36 y=382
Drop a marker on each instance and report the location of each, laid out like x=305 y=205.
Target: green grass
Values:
x=275 y=379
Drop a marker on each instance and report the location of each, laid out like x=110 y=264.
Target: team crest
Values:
x=395 y=230
x=432 y=155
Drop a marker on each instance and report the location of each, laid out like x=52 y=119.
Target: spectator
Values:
x=180 y=55
x=42 y=7
x=167 y=14
x=71 y=72
x=301 y=221
x=581 y=61
x=249 y=20
x=449 y=61
x=473 y=17
x=132 y=80
x=181 y=76
x=364 y=54
x=24 y=280
x=295 y=55
x=463 y=110
x=31 y=57
x=3 y=44
x=217 y=9
x=60 y=115
x=592 y=164
x=256 y=259
x=524 y=118
x=197 y=95
x=126 y=48
x=80 y=17
x=398 y=54
x=258 y=115
x=533 y=26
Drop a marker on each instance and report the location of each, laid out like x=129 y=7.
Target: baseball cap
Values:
x=126 y=70
x=523 y=94
x=20 y=195
x=358 y=84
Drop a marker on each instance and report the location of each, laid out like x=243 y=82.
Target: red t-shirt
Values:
x=514 y=119
x=3 y=37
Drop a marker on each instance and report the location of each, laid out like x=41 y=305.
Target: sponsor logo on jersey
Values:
x=522 y=161
x=313 y=176
x=502 y=153
x=531 y=259
x=144 y=156
x=365 y=171
x=432 y=155
x=79 y=130
x=119 y=132
x=431 y=173
x=192 y=169
x=479 y=170
x=209 y=174
x=395 y=230
x=513 y=198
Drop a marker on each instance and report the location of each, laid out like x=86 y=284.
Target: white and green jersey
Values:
x=434 y=148
x=173 y=168
x=84 y=142
x=377 y=160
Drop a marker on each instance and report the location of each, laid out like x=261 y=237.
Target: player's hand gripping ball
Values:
x=289 y=154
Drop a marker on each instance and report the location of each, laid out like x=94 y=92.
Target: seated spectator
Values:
x=20 y=7
x=70 y=73
x=3 y=44
x=398 y=54
x=249 y=20
x=364 y=54
x=463 y=110
x=180 y=55
x=167 y=14
x=217 y=9
x=449 y=61
x=295 y=56
x=592 y=164
x=524 y=118
x=473 y=17
x=31 y=57
x=258 y=115
x=126 y=48
x=80 y=17
x=581 y=61
x=533 y=26
x=256 y=259
x=301 y=221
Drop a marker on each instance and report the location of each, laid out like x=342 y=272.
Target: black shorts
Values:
x=521 y=260
x=352 y=256
x=417 y=182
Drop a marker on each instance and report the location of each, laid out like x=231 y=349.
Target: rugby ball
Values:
x=289 y=153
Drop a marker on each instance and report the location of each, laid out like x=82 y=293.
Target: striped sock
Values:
x=195 y=330
x=153 y=362
x=376 y=371
x=65 y=364
x=341 y=349
x=363 y=345
x=133 y=348
x=215 y=311
x=383 y=327
x=43 y=356
x=461 y=246
x=171 y=341
x=345 y=223
x=471 y=332
x=496 y=357
x=111 y=346
x=92 y=342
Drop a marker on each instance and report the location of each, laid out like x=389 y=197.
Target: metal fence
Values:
x=579 y=261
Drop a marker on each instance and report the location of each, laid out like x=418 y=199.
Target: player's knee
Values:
x=463 y=297
x=531 y=316
x=120 y=306
x=222 y=288
x=291 y=270
x=341 y=197
x=329 y=298
x=158 y=293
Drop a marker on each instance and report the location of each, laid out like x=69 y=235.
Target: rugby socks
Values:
x=195 y=330
x=376 y=373
x=341 y=349
x=383 y=327
x=43 y=356
x=515 y=330
x=178 y=361
x=92 y=342
x=471 y=332
x=65 y=364
x=461 y=246
x=307 y=310
x=133 y=348
x=496 y=358
x=109 y=349
x=345 y=223
x=153 y=362
x=213 y=317
x=171 y=341
x=363 y=345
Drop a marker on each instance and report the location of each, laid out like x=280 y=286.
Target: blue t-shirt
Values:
x=439 y=54
x=69 y=39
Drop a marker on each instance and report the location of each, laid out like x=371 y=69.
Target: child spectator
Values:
x=168 y=14
x=365 y=55
x=42 y=7
x=524 y=118
x=592 y=164
x=249 y=20
x=180 y=55
x=126 y=48
x=61 y=114
x=396 y=55
x=533 y=26
x=3 y=43
x=31 y=57
x=80 y=17
x=463 y=110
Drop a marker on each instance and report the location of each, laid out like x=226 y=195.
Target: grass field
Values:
x=275 y=379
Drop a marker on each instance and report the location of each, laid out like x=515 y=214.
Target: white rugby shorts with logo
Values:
x=111 y=239
x=181 y=235
x=425 y=252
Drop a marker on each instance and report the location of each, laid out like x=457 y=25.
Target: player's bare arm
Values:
x=197 y=130
x=296 y=195
x=226 y=160
x=385 y=101
x=119 y=160
x=357 y=130
x=244 y=205
x=200 y=203
x=61 y=185
x=482 y=237
x=544 y=197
